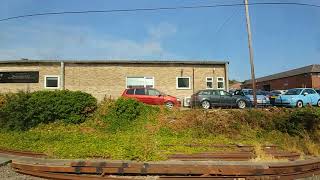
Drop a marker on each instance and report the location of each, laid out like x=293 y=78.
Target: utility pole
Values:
x=253 y=79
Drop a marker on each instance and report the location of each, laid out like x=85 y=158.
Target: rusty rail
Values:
x=172 y=169
x=203 y=165
x=22 y=153
x=225 y=156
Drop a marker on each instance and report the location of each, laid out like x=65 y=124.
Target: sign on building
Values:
x=19 y=77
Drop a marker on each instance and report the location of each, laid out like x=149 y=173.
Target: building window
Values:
x=220 y=81
x=140 y=82
x=183 y=83
x=209 y=82
x=51 y=82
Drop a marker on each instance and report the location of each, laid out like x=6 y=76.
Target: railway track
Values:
x=205 y=165
x=84 y=170
x=22 y=153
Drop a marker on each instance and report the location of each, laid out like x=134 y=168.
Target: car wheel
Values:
x=318 y=104
x=242 y=104
x=205 y=104
x=169 y=105
x=299 y=104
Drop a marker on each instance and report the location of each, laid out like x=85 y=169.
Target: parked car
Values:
x=318 y=91
x=299 y=97
x=218 y=98
x=262 y=99
x=152 y=96
x=274 y=94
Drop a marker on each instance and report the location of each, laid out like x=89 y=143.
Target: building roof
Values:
x=190 y=62
x=235 y=86
x=314 y=68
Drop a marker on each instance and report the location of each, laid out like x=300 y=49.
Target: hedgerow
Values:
x=25 y=110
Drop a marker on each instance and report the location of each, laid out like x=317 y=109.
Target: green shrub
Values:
x=128 y=109
x=124 y=112
x=300 y=121
x=13 y=114
x=26 y=110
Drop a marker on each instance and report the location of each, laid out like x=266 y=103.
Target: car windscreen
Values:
x=293 y=92
x=248 y=92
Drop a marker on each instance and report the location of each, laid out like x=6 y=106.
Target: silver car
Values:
x=262 y=99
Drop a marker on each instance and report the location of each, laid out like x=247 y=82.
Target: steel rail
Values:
x=22 y=153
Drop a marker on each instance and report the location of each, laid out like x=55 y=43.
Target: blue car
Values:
x=299 y=97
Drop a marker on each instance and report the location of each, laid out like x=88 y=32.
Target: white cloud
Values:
x=162 y=30
x=68 y=42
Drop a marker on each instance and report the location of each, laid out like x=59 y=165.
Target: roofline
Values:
x=191 y=62
x=270 y=77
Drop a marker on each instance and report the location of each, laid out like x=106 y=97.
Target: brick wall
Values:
x=316 y=80
x=103 y=80
x=299 y=81
x=44 y=69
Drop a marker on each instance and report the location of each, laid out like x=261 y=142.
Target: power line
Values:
x=227 y=21
x=158 y=9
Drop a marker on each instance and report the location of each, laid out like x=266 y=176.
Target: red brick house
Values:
x=308 y=76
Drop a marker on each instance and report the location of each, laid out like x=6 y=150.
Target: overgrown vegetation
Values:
x=125 y=114
x=22 y=111
x=127 y=129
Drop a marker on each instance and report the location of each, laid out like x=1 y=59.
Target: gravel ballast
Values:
x=7 y=173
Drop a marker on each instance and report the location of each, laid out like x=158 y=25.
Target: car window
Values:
x=224 y=93
x=205 y=93
x=261 y=92
x=216 y=93
x=238 y=93
x=310 y=91
x=153 y=92
x=140 y=92
x=304 y=91
x=130 y=91
x=248 y=92
x=293 y=92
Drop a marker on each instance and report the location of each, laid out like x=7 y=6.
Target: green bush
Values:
x=123 y=112
x=13 y=114
x=300 y=121
x=26 y=110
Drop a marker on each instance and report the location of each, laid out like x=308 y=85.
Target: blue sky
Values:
x=284 y=37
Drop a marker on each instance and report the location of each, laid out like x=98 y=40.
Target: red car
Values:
x=151 y=96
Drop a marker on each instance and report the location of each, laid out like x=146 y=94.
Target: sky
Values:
x=284 y=37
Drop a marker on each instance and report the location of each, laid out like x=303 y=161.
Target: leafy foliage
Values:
x=299 y=122
x=124 y=112
x=24 y=110
x=13 y=114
